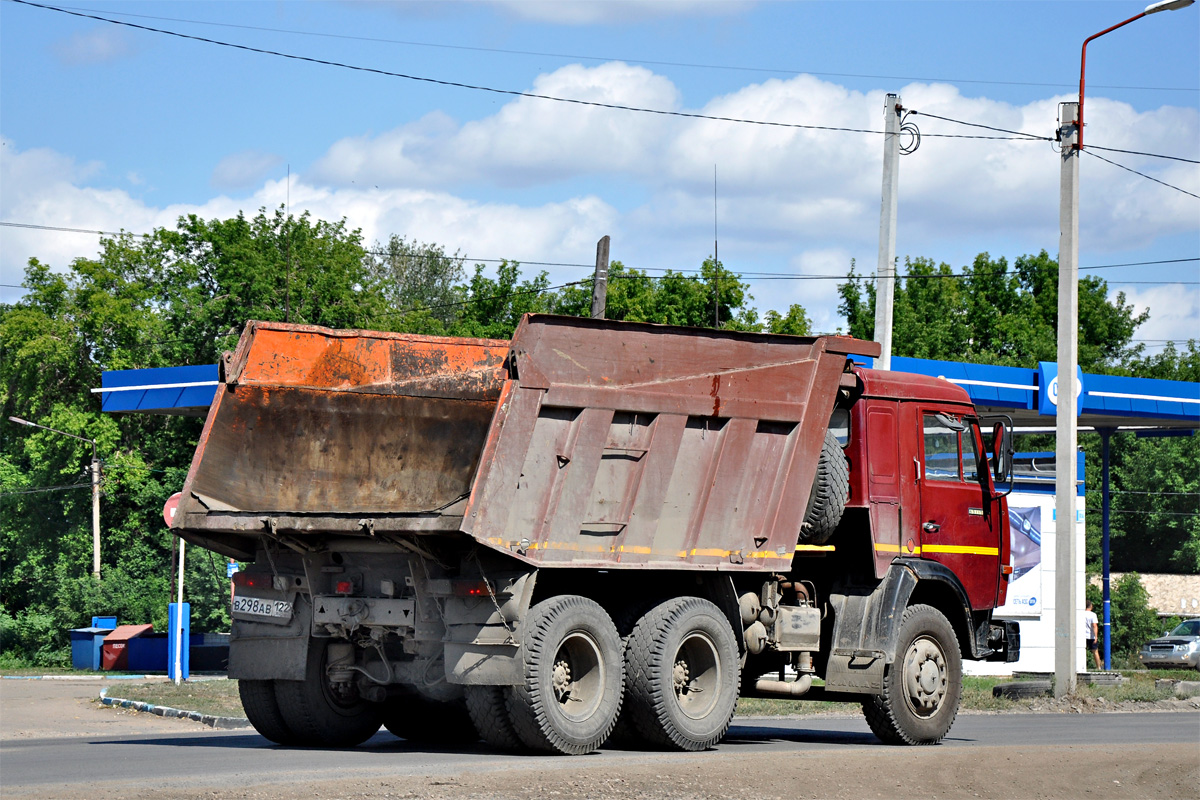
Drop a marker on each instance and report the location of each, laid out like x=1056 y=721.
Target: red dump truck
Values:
x=597 y=530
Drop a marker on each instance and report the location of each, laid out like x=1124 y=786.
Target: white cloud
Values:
x=100 y=45
x=784 y=184
x=42 y=188
x=788 y=198
x=1174 y=310
x=528 y=141
x=243 y=170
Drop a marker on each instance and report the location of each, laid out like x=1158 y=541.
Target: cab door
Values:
x=958 y=525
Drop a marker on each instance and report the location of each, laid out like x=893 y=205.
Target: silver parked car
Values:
x=1178 y=649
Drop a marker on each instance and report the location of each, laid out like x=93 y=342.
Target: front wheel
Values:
x=922 y=688
x=571 y=695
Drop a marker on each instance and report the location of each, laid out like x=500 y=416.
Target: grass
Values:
x=220 y=697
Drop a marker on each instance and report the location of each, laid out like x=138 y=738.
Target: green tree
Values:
x=715 y=297
x=1134 y=622
x=422 y=284
x=992 y=314
x=170 y=298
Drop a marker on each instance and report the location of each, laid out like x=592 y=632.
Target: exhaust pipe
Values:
x=784 y=688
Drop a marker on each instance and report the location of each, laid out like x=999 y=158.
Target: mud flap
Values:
x=865 y=629
x=483 y=634
x=262 y=651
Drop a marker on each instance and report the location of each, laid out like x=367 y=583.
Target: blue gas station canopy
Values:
x=1025 y=395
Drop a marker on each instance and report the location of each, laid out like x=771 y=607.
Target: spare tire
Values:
x=830 y=490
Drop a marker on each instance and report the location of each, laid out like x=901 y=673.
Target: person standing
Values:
x=1091 y=627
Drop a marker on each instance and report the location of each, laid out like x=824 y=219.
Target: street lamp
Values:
x=1153 y=8
x=1067 y=431
x=95 y=471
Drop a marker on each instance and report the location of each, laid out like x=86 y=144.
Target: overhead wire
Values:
x=1013 y=135
x=756 y=274
x=42 y=489
x=690 y=65
x=1141 y=174
x=491 y=89
x=1142 y=153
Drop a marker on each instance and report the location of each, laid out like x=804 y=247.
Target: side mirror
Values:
x=1002 y=453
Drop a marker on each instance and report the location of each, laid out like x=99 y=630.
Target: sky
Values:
x=109 y=127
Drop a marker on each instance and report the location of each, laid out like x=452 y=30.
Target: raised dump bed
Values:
x=581 y=441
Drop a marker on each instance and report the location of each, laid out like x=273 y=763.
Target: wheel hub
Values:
x=680 y=677
x=925 y=676
x=562 y=681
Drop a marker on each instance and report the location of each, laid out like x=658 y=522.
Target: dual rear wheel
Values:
x=673 y=683
x=309 y=713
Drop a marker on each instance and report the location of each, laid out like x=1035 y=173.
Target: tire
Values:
x=262 y=709
x=830 y=490
x=417 y=719
x=317 y=716
x=922 y=688
x=488 y=711
x=571 y=695
x=682 y=675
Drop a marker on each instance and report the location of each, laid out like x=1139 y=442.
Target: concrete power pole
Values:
x=885 y=273
x=600 y=284
x=95 y=516
x=1067 y=428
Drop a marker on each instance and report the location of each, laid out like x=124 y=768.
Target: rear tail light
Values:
x=344 y=587
x=471 y=589
x=258 y=580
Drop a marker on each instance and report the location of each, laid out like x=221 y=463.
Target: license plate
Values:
x=280 y=609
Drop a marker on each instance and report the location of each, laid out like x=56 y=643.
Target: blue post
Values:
x=173 y=632
x=1105 y=433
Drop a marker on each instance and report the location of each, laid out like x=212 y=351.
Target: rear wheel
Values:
x=489 y=713
x=571 y=694
x=262 y=709
x=682 y=674
x=318 y=714
x=921 y=689
x=418 y=719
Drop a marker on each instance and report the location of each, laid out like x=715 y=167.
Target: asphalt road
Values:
x=217 y=763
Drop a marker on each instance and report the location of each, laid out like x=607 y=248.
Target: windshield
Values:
x=1189 y=627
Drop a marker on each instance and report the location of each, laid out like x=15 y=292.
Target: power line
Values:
x=485 y=298
x=474 y=259
x=491 y=89
x=440 y=82
x=985 y=127
x=690 y=65
x=1140 y=153
x=1142 y=174
x=42 y=489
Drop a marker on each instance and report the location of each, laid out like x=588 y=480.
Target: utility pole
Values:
x=1067 y=427
x=600 y=282
x=885 y=272
x=95 y=514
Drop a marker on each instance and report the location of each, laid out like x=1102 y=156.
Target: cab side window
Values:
x=970 y=459
x=941 y=450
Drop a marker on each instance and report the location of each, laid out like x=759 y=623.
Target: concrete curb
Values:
x=210 y=720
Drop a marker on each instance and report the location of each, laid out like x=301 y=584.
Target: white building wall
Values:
x=1037 y=622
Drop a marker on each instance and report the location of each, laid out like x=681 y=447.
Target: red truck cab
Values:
x=915 y=443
